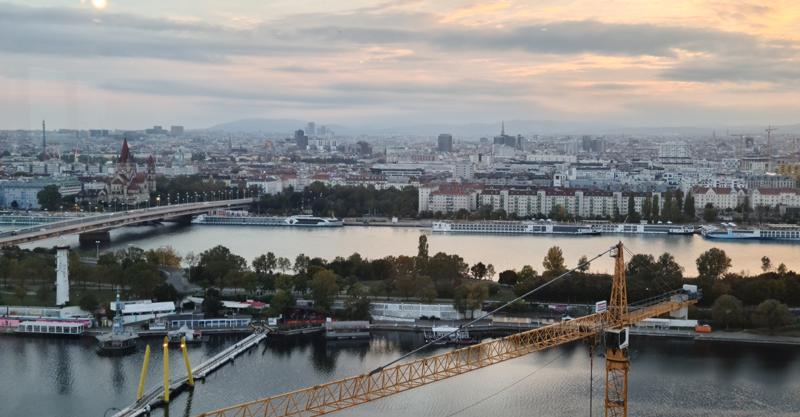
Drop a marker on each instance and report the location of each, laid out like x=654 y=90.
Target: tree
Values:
x=20 y=293
x=301 y=263
x=666 y=214
x=284 y=264
x=675 y=211
x=165 y=255
x=460 y=299
x=713 y=263
x=89 y=303
x=766 y=264
x=772 y=314
x=250 y=282
x=641 y=265
x=478 y=270
x=284 y=282
x=782 y=269
x=746 y=209
x=388 y=286
x=709 y=213
x=656 y=209
x=165 y=292
x=143 y=278
x=581 y=267
x=406 y=285
x=426 y=291
x=212 y=303
x=49 y=198
x=477 y=294
x=559 y=213
x=281 y=301
x=324 y=289
x=762 y=210
x=554 y=263
x=507 y=277
x=647 y=208
x=631 y=205
x=688 y=206
x=215 y=264
x=422 y=256
x=727 y=309
x=489 y=272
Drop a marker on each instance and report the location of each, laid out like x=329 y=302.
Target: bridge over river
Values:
x=97 y=227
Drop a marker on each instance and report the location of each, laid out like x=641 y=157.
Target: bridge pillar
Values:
x=182 y=219
x=91 y=237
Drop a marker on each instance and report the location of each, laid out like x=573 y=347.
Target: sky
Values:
x=131 y=64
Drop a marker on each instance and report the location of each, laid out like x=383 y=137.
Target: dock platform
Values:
x=153 y=396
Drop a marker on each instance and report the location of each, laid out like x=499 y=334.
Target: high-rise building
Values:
x=587 y=143
x=176 y=130
x=301 y=139
x=445 y=143
x=599 y=145
x=310 y=129
x=322 y=131
x=156 y=130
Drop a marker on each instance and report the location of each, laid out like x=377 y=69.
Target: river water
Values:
x=503 y=251
x=669 y=377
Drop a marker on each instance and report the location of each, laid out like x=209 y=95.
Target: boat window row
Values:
x=211 y=323
x=55 y=329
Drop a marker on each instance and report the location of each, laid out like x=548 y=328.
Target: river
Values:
x=503 y=251
x=669 y=377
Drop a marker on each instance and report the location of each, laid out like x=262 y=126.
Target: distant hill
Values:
x=512 y=127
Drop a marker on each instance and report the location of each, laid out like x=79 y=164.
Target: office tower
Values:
x=445 y=143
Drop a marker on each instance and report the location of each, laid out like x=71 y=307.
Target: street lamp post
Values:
x=98 y=249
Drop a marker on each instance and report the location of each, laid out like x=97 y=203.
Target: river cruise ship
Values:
x=51 y=328
x=643 y=228
x=768 y=232
x=512 y=227
x=222 y=217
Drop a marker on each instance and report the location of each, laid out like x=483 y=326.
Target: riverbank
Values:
x=489 y=326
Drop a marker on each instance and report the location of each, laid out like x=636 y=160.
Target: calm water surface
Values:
x=503 y=251
x=670 y=377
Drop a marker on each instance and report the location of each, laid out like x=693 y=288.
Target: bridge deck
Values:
x=105 y=222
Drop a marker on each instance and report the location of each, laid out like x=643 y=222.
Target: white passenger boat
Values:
x=768 y=232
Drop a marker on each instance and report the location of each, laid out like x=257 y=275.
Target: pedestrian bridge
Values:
x=96 y=227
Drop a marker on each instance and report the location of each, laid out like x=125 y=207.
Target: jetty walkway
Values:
x=154 y=396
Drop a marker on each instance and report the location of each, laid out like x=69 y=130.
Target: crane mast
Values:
x=386 y=381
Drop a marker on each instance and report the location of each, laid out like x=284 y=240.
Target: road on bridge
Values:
x=106 y=222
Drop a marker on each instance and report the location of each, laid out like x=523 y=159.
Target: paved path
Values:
x=176 y=278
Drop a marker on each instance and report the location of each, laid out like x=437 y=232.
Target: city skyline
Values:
x=387 y=64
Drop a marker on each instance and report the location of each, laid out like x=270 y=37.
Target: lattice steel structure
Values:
x=338 y=395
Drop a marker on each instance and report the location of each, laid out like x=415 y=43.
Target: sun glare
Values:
x=99 y=3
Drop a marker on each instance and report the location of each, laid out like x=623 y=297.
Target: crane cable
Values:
x=381 y=368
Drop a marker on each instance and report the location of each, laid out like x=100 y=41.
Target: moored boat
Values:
x=446 y=335
x=191 y=336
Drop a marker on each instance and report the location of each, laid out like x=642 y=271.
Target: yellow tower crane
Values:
x=390 y=380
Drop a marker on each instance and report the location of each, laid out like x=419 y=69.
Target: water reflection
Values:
x=669 y=377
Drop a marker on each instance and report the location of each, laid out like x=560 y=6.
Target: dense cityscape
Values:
x=507 y=176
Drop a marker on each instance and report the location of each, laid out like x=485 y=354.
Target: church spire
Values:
x=126 y=153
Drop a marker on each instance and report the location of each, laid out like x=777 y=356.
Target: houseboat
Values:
x=347 y=330
x=445 y=335
x=51 y=328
